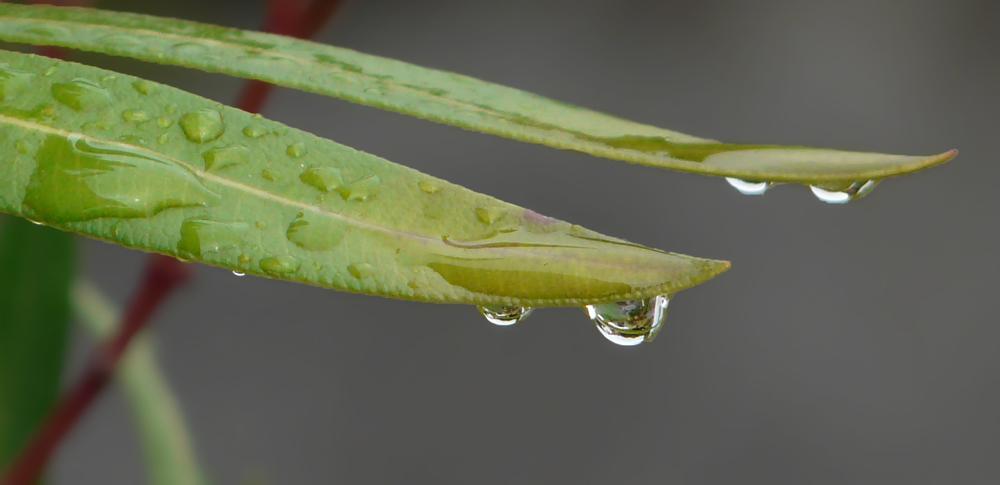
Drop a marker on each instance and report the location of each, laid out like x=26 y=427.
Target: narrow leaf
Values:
x=152 y=167
x=439 y=96
x=166 y=442
x=36 y=268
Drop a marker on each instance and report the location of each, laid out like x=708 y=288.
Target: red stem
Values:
x=163 y=273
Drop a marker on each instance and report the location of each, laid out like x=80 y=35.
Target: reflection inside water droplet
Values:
x=237 y=273
x=504 y=314
x=747 y=187
x=630 y=322
x=856 y=191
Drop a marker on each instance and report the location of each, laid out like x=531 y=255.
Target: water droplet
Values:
x=429 y=187
x=262 y=225
x=270 y=175
x=163 y=139
x=237 y=273
x=132 y=139
x=171 y=108
x=504 y=314
x=244 y=259
x=36 y=222
x=361 y=190
x=81 y=94
x=95 y=125
x=490 y=215
x=13 y=82
x=296 y=150
x=747 y=187
x=203 y=125
x=201 y=236
x=254 y=131
x=322 y=178
x=280 y=131
x=316 y=233
x=257 y=116
x=77 y=179
x=630 y=322
x=855 y=191
x=21 y=146
x=164 y=122
x=144 y=87
x=279 y=265
x=361 y=270
x=136 y=115
x=220 y=158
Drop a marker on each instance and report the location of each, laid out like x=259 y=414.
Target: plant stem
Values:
x=163 y=274
x=161 y=277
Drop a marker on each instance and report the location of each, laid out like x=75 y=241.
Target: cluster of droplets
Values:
x=855 y=191
x=625 y=323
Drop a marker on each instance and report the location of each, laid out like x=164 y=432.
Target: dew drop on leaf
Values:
x=322 y=178
x=296 y=150
x=203 y=125
x=490 y=215
x=361 y=270
x=747 y=187
x=254 y=131
x=81 y=95
x=164 y=122
x=50 y=71
x=318 y=234
x=362 y=190
x=202 y=236
x=144 y=87
x=136 y=115
x=279 y=265
x=262 y=225
x=855 y=191
x=21 y=146
x=429 y=187
x=13 y=82
x=630 y=322
x=270 y=175
x=163 y=139
x=219 y=158
x=504 y=314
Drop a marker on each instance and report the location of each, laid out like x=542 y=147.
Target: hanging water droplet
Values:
x=254 y=131
x=81 y=95
x=36 y=222
x=855 y=191
x=136 y=115
x=504 y=314
x=630 y=322
x=747 y=187
x=296 y=150
x=203 y=125
x=144 y=87
x=237 y=273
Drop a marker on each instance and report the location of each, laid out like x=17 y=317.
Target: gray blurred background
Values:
x=848 y=345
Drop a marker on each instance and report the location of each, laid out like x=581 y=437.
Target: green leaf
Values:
x=36 y=268
x=439 y=96
x=166 y=442
x=152 y=167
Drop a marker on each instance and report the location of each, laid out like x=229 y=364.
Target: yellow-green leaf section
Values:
x=439 y=96
x=155 y=168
